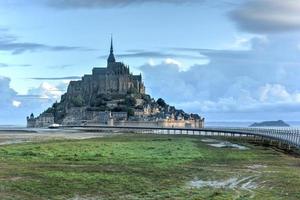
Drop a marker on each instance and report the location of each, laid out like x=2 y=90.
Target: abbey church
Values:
x=114 y=79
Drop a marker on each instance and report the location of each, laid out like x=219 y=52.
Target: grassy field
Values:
x=145 y=167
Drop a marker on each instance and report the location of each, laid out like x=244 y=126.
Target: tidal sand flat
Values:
x=135 y=166
x=14 y=136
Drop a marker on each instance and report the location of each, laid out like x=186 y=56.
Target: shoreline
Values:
x=17 y=136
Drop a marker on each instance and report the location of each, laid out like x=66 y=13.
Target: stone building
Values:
x=139 y=113
x=31 y=121
x=164 y=123
x=42 y=121
x=105 y=117
x=181 y=123
x=119 y=116
x=114 y=79
x=80 y=116
x=108 y=117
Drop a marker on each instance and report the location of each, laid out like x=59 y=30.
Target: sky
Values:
x=227 y=60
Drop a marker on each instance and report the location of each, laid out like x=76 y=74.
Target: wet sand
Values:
x=22 y=135
x=223 y=144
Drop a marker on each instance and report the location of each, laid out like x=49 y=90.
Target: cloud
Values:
x=170 y=61
x=278 y=93
x=154 y=54
x=92 y=4
x=10 y=43
x=4 y=65
x=9 y=103
x=48 y=91
x=57 y=78
x=261 y=81
x=268 y=16
x=61 y=66
x=15 y=107
x=75 y=4
x=100 y=4
x=21 y=47
x=6 y=93
x=16 y=104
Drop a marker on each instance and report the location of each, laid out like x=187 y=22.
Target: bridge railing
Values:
x=288 y=136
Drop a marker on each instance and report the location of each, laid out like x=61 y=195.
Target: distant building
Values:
x=181 y=123
x=42 y=121
x=114 y=79
x=139 y=113
x=119 y=116
x=147 y=110
x=108 y=117
x=104 y=117
x=31 y=121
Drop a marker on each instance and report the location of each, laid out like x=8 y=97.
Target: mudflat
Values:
x=21 y=135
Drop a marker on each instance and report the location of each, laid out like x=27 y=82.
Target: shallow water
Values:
x=16 y=141
x=223 y=144
x=209 y=140
x=17 y=136
x=246 y=183
x=228 y=145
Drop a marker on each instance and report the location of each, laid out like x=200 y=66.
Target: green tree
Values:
x=50 y=110
x=132 y=90
x=130 y=112
x=77 y=101
x=146 y=98
x=119 y=109
x=161 y=103
x=130 y=101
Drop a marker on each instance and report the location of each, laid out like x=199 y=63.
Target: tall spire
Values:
x=111 y=57
x=111 y=45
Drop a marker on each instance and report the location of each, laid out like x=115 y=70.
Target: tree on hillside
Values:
x=161 y=102
x=77 y=101
x=130 y=101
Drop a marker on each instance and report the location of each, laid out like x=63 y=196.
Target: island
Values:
x=278 y=123
x=112 y=96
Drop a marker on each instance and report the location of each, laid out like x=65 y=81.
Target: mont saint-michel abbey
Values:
x=115 y=78
x=112 y=96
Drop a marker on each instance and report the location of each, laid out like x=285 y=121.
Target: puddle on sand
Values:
x=246 y=183
x=228 y=145
x=209 y=140
x=257 y=166
x=223 y=144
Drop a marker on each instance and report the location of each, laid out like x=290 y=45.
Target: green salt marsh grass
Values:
x=144 y=167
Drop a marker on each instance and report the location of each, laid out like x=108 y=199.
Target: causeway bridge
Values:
x=288 y=137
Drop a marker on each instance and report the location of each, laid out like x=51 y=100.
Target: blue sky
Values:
x=226 y=60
